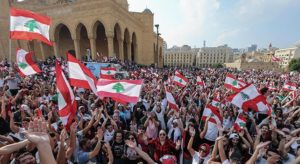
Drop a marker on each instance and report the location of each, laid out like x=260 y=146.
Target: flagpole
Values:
x=9 y=42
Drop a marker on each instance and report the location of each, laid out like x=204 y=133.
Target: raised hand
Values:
x=63 y=135
x=130 y=144
x=37 y=132
x=73 y=127
x=262 y=145
x=178 y=143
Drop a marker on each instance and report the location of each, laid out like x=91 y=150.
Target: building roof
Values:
x=147 y=11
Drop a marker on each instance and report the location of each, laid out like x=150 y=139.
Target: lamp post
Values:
x=157 y=35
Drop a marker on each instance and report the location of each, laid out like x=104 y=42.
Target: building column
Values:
x=93 y=47
x=77 y=48
x=55 y=48
x=110 y=44
x=121 y=51
x=42 y=51
x=129 y=51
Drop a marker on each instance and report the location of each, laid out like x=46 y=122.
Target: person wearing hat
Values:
x=200 y=156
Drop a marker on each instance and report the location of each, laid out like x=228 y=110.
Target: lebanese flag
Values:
x=231 y=83
x=275 y=59
x=180 y=80
x=200 y=81
x=216 y=103
x=211 y=110
x=171 y=100
x=246 y=97
x=240 y=123
x=27 y=25
x=79 y=75
x=241 y=83
x=66 y=99
x=108 y=73
x=123 y=90
x=289 y=86
x=26 y=65
x=178 y=73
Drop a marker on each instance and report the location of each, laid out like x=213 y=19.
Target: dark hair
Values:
x=21 y=153
x=83 y=142
x=118 y=131
x=264 y=90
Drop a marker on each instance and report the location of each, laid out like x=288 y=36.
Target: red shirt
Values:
x=161 y=150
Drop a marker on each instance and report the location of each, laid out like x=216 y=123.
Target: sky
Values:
x=237 y=23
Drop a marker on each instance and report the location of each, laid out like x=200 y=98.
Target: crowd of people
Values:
x=105 y=131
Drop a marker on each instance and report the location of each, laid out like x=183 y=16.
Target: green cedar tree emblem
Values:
x=108 y=72
x=242 y=124
x=31 y=25
x=244 y=96
x=118 y=87
x=234 y=83
x=180 y=80
x=22 y=65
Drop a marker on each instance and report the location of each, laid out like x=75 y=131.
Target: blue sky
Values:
x=238 y=23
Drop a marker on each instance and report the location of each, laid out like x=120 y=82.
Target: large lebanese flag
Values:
x=79 y=75
x=27 y=25
x=66 y=99
x=171 y=100
x=123 y=90
x=246 y=97
x=26 y=65
x=240 y=123
x=180 y=80
x=108 y=73
x=289 y=86
x=232 y=83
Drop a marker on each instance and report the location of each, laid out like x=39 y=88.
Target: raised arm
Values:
x=96 y=150
x=190 y=144
x=8 y=149
x=61 y=157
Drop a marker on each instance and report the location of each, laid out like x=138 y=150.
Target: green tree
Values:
x=294 y=65
x=218 y=65
x=118 y=87
x=31 y=25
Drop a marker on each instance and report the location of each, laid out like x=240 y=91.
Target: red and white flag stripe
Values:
x=289 y=86
x=108 y=73
x=66 y=99
x=171 y=100
x=180 y=80
x=80 y=75
x=27 y=25
x=124 y=90
x=26 y=65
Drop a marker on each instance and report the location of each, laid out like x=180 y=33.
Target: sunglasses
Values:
x=162 y=134
x=131 y=138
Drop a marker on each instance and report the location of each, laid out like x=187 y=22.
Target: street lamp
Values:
x=157 y=35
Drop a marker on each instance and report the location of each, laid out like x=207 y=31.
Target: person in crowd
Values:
x=154 y=131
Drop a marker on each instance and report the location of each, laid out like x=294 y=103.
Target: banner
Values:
x=95 y=67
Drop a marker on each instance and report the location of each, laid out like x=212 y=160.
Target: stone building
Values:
x=286 y=55
x=101 y=27
x=208 y=56
x=180 y=56
x=255 y=60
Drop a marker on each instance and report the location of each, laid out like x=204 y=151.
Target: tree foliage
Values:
x=294 y=65
x=219 y=65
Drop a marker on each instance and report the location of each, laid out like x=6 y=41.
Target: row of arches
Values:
x=99 y=43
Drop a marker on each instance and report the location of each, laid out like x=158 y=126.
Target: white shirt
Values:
x=212 y=132
x=177 y=134
x=160 y=117
x=196 y=158
x=108 y=136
